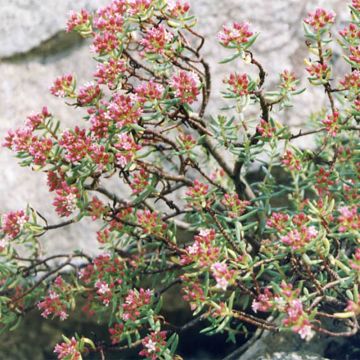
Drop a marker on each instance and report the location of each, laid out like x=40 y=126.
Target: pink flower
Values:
x=355 y=54
x=76 y=144
x=288 y=80
x=332 y=123
x=203 y=250
x=103 y=291
x=263 y=302
x=177 y=8
x=137 y=7
x=125 y=109
x=235 y=36
x=299 y=238
x=63 y=86
x=149 y=91
x=80 y=22
x=13 y=222
x=33 y=121
x=151 y=222
x=349 y=219
x=89 y=94
x=139 y=181
x=320 y=19
x=40 y=149
x=278 y=221
x=116 y=333
x=355 y=263
x=186 y=86
x=197 y=194
x=105 y=43
x=234 y=205
x=352 y=81
x=134 y=301
x=110 y=72
x=356 y=4
x=239 y=84
x=318 y=71
x=351 y=33
x=66 y=199
x=290 y=161
x=222 y=275
x=127 y=149
x=110 y=19
x=153 y=344
x=68 y=350
x=157 y=40
x=53 y=305
x=265 y=129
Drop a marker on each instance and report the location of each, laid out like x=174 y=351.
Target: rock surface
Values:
x=34 y=50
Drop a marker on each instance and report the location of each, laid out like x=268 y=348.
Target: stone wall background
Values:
x=34 y=49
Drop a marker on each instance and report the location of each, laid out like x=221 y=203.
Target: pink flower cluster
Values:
x=265 y=129
x=318 y=71
x=288 y=80
x=105 y=43
x=298 y=238
x=278 y=221
x=286 y=302
x=193 y=292
x=134 y=301
x=89 y=94
x=139 y=181
x=320 y=19
x=239 y=84
x=53 y=304
x=104 y=291
x=76 y=144
x=127 y=148
x=235 y=36
x=110 y=72
x=351 y=33
x=177 y=8
x=124 y=109
x=80 y=22
x=291 y=161
x=186 y=86
x=66 y=199
x=355 y=263
x=187 y=141
x=356 y=4
x=13 y=222
x=355 y=54
x=203 y=251
x=332 y=123
x=234 y=205
x=138 y=7
x=68 y=350
x=352 y=81
x=151 y=222
x=157 y=40
x=63 y=86
x=149 y=91
x=153 y=345
x=223 y=275
x=349 y=219
x=23 y=140
x=197 y=194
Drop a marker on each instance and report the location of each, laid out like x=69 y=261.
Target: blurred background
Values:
x=35 y=49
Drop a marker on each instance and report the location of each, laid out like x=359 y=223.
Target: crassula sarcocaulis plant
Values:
x=281 y=253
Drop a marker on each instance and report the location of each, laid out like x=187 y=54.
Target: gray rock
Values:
x=292 y=356
x=25 y=24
